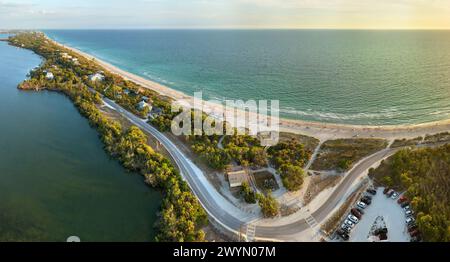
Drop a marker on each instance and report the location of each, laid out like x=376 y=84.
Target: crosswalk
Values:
x=251 y=232
x=311 y=221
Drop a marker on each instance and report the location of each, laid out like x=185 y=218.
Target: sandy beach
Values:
x=322 y=131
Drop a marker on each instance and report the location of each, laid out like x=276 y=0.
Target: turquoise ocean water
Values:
x=336 y=76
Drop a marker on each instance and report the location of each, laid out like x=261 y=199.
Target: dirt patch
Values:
x=265 y=180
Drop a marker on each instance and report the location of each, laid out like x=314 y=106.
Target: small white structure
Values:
x=142 y=105
x=66 y=56
x=146 y=99
x=96 y=77
x=49 y=76
x=237 y=178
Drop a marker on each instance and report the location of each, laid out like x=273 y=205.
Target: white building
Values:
x=49 y=76
x=237 y=178
x=142 y=105
x=96 y=77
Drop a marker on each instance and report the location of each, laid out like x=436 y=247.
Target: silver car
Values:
x=353 y=219
x=349 y=223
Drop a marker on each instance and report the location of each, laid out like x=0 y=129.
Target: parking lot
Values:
x=385 y=211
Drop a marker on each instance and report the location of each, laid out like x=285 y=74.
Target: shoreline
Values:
x=320 y=130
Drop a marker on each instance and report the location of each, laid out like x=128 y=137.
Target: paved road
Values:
x=218 y=208
x=222 y=212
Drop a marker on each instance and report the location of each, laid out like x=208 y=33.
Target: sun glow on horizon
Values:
x=300 y=14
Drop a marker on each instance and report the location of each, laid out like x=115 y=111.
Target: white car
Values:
x=409 y=212
x=349 y=223
x=410 y=220
x=395 y=196
x=353 y=219
x=362 y=205
x=407 y=208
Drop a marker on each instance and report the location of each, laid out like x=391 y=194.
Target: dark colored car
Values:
x=386 y=190
x=344 y=235
x=402 y=200
x=381 y=231
x=412 y=228
x=415 y=233
x=368 y=197
x=390 y=193
x=372 y=191
x=366 y=200
x=356 y=213
x=360 y=210
x=416 y=239
x=405 y=204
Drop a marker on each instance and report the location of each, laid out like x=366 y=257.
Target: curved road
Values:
x=228 y=216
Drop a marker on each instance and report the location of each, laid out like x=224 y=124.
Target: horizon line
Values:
x=233 y=28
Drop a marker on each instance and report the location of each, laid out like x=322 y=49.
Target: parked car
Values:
x=366 y=201
x=412 y=228
x=414 y=233
x=356 y=213
x=386 y=190
x=390 y=193
x=361 y=205
x=353 y=219
x=405 y=204
x=381 y=231
x=408 y=207
x=394 y=196
x=346 y=229
x=409 y=213
x=410 y=220
x=349 y=223
x=402 y=200
x=416 y=239
x=372 y=191
x=344 y=235
x=360 y=210
x=368 y=196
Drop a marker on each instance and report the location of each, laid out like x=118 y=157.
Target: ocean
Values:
x=333 y=76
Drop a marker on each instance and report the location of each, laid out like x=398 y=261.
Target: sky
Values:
x=121 y=14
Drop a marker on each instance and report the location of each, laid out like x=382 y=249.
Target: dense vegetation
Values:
x=269 y=205
x=342 y=154
x=182 y=215
x=289 y=158
x=248 y=193
x=245 y=150
x=425 y=175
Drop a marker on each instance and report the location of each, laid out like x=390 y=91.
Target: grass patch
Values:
x=342 y=154
x=310 y=143
x=438 y=138
x=406 y=142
